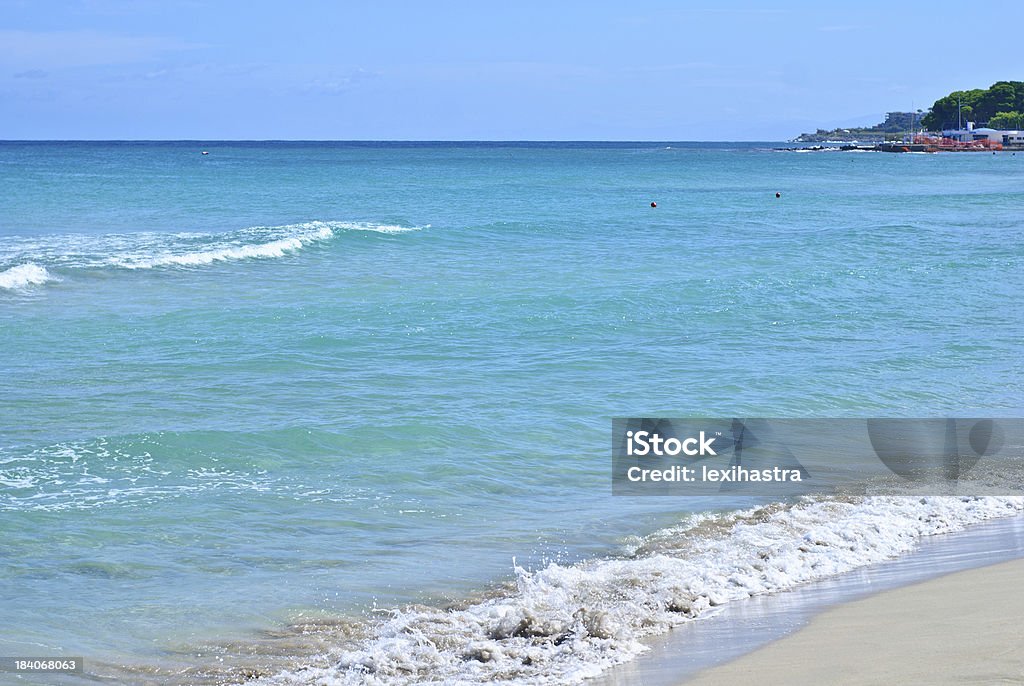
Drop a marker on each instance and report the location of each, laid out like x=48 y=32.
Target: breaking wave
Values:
x=563 y=624
x=237 y=248
x=151 y=250
x=24 y=275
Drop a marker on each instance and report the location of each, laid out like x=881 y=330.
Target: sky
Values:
x=478 y=70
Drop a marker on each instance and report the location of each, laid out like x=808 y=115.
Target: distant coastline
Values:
x=999 y=107
x=895 y=125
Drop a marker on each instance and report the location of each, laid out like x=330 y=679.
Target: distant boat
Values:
x=205 y=153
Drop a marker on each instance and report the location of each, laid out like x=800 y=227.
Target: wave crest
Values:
x=564 y=624
x=150 y=250
x=247 y=244
x=237 y=249
x=24 y=275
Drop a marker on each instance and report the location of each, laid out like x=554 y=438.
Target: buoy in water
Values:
x=654 y=204
x=778 y=195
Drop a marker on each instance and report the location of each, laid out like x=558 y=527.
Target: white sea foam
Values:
x=276 y=248
x=24 y=275
x=563 y=624
x=124 y=473
x=377 y=228
x=150 y=250
x=251 y=244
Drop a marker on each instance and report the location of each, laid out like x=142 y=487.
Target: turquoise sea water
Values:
x=290 y=380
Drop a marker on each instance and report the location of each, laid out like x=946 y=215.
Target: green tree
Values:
x=1001 y=97
x=943 y=114
x=1007 y=120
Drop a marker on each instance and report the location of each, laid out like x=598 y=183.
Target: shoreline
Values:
x=764 y=616
x=745 y=627
x=957 y=629
x=893 y=146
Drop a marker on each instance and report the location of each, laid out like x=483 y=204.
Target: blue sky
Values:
x=439 y=70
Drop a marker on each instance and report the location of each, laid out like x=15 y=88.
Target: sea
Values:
x=340 y=412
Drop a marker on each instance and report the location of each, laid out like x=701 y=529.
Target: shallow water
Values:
x=746 y=626
x=291 y=380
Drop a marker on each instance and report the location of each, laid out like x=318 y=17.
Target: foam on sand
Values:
x=24 y=275
x=563 y=624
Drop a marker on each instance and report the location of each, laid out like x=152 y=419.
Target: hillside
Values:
x=1001 y=106
x=895 y=124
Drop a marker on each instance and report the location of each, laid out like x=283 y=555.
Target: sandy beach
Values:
x=964 y=628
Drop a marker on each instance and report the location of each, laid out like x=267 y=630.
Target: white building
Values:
x=980 y=134
x=961 y=135
x=973 y=134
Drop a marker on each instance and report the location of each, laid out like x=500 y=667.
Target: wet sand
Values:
x=964 y=628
